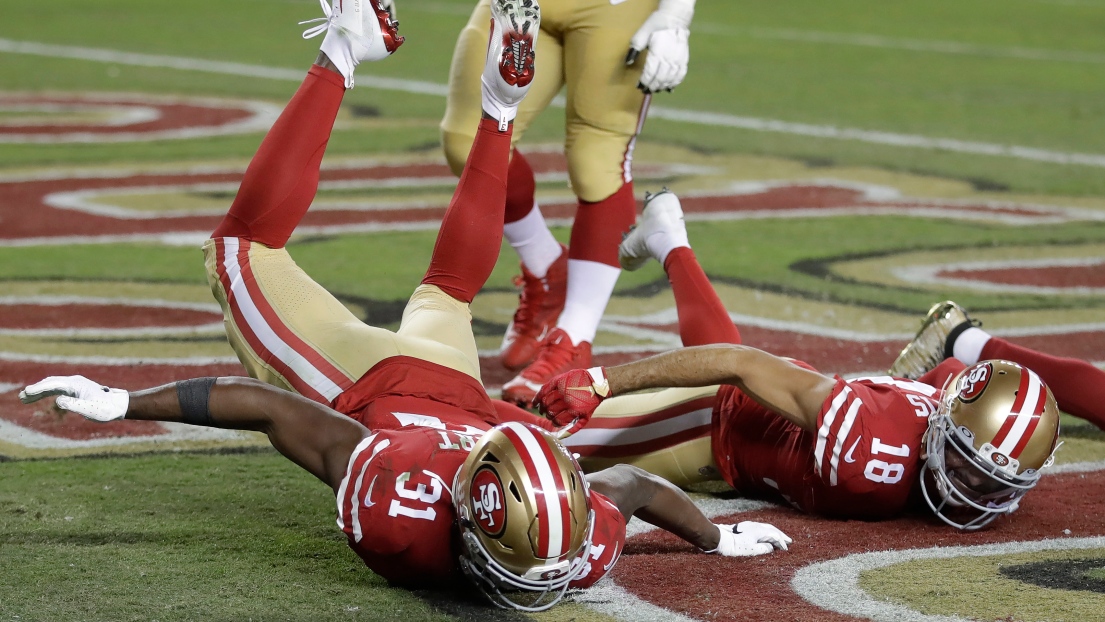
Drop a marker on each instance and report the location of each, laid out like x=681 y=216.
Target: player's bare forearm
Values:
x=313 y=436
x=655 y=501
x=794 y=392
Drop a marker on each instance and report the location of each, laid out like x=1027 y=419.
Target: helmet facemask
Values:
x=524 y=517
x=972 y=481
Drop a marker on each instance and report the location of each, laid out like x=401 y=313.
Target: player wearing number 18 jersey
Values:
x=969 y=441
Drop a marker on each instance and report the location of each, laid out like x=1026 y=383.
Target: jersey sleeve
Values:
x=607 y=541
x=869 y=434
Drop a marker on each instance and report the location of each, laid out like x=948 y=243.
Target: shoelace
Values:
x=552 y=358
x=318 y=29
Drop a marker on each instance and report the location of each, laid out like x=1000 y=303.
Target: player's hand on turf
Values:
x=569 y=400
x=80 y=395
x=750 y=538
x=666 y=35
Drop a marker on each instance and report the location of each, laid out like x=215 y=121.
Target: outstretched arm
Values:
x=796 y=393
x=309 y=434
x=658 y=502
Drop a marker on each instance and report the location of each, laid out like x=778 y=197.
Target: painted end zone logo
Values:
x=487 y=502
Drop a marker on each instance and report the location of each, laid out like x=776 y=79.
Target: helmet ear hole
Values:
x=490 y=457
x=514 y=491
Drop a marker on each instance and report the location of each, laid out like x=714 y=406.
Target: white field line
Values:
x=31 y=439
x=1017 y=53
x=834 y=584
x=669 y=114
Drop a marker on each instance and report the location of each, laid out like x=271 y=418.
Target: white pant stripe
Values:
x=272 y=342
x=640 y=434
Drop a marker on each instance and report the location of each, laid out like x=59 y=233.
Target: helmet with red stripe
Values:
x=525 y=517
x=996 y=427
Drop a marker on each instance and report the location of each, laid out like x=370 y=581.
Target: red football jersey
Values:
x=862 y=462
x=607 y=541
x=396 y=507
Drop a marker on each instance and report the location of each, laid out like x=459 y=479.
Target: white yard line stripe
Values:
x=656 y=112
x=897 y=43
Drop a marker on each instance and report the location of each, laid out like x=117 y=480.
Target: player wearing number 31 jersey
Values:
x=430 y=485
x=968 y=440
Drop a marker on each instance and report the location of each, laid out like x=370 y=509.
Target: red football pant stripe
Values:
x=304 y=368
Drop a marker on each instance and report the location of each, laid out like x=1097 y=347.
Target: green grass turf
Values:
x=185 y=537
x=182 y=537
x=389 y=266
x=748 y=58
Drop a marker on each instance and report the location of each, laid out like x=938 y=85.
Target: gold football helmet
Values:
x=996 y=427
x=525 y=517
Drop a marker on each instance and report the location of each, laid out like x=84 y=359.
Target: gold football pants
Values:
x=582 y=44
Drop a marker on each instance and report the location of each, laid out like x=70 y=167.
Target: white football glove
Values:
x=666 y=34
x=80 y=395
x=750 y=538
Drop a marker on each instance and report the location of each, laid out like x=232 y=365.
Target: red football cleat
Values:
x=539 y=305
x=556 y=356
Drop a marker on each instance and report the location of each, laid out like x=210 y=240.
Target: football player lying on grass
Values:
x=431 y=485
x=963 y=422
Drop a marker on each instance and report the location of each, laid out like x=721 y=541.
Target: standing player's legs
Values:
x=544 y=260
x=666 y=433
x=605 y=112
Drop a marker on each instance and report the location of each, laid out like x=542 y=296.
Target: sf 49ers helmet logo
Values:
x=487 y=502
x=972 y=384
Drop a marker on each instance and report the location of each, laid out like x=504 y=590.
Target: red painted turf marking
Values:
x=666 y=571
x=1072 y=276
x=109 y=316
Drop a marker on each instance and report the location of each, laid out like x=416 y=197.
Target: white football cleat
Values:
x=929 y=347
x=511 y=52
x=659 y=230
x=362 y=31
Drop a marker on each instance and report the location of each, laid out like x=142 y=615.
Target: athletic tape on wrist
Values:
x=192 y=395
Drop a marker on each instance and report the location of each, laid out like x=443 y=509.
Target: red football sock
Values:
x=282 y=179
x=599 y=226
x=521 y=188
x=702 y=317
x=472 y=231
x=1078 y=387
